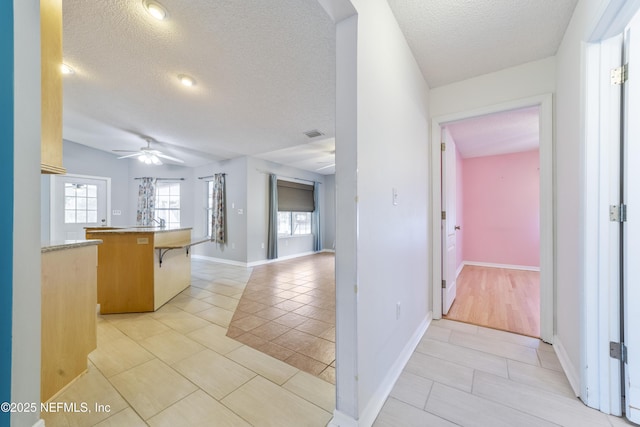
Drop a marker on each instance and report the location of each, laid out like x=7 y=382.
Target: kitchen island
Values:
x=141 y=268
x=68 y=322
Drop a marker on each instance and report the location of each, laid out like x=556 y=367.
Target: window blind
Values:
x=295 y=197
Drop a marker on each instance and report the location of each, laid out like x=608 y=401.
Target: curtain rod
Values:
x=290 y=177
x=210 y=176
x=164 y=179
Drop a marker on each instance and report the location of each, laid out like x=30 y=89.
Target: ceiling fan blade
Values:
x=164 y=156
x=326 y=167
x=124 y=151
x=129 y=155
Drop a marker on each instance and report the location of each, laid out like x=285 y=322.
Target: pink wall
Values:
x=501 y=215
x=459 y=209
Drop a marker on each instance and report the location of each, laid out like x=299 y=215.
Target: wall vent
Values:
x=313 y=133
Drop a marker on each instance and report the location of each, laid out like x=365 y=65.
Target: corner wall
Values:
x=378 y=149
x=25 y=337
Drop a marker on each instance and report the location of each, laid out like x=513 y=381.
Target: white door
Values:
x=448 y=224
x=77 y=202
x=631 y=228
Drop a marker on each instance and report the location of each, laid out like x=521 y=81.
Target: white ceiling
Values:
x=454 y=40
x=265 y=70
x=500 y=133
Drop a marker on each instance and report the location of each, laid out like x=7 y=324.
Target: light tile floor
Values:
x=466 y=375
x=177 y=367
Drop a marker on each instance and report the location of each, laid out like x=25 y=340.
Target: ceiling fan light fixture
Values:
x=186 y=80
x=155 y=9
x=66 y=69
x=149 y=159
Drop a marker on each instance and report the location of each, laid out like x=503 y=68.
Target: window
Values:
x=80 y=203
x=168 y=203
x=294 y=223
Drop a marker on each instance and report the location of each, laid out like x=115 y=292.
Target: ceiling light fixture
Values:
x=149 y=159
x=155 y=9
x=65 y=69
x=186 y=80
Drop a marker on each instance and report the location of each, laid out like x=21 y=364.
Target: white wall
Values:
x=523 y=81
x=383 y=147
x=25 y=372
x=569 y=181
x=82 y=160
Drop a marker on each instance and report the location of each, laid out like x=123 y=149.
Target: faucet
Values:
x=161 y=222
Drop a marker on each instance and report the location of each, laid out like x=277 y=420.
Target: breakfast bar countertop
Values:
x=134 y=229
x=67 y=244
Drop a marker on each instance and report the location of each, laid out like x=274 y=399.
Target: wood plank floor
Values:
x=498 y=298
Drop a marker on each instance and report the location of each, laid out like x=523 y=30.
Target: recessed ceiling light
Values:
x=155 y=9
x=186 y=80
x=65 y=69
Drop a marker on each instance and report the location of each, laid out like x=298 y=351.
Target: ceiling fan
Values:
x=147 y=154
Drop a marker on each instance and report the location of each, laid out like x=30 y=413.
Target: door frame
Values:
x=54 y=204
x=547 y=217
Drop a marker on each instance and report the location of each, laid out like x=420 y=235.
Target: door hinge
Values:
x=444 y=215
x=619 y=75
x=618 y=351
x=618 y=213
x=444 y=284
x=443 y=147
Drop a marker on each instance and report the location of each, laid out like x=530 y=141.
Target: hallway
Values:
x=467 y=375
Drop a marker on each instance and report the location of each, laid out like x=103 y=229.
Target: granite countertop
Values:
x=126 y=230
x=67 y=244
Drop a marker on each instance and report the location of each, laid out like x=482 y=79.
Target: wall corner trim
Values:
x=370 y=413
x=573 y=375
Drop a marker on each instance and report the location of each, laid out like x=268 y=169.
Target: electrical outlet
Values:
x=116 y=212
x=263 y=246
x=240 y=211
x=397 y=310
x=394 y=197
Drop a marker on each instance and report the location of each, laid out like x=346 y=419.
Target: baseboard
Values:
x=220 y=260
x=340 y=419
x=569 y=370
x=509 y=266
x=333 y=251
x=256 y=263
x=459 y=270
x=283 y=258
x=39 y=423
x=370 y=413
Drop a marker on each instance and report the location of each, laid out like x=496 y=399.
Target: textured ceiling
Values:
x=500 y=133
x=265 y=73
x=453 y=40
x=265 y=70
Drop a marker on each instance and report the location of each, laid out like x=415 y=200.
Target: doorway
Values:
x=78 y=201
x=544 y=105
x=491 y=190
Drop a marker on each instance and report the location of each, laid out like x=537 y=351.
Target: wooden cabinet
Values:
x=69 y=282
x=131 y=276
x=51 y=59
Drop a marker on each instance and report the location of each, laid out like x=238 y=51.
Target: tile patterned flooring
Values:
x=178 y=367
x=467 y=375
x=288 y=311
